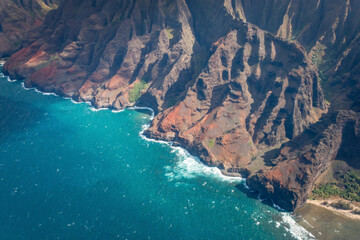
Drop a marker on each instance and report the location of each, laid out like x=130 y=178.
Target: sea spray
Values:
x=188 y=165
x=294 y=228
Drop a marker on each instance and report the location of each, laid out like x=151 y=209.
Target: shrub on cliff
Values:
x=135 y=93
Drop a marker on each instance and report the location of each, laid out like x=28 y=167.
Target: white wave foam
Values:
x=88 y=103
x=277 y=224
x=9 y=79
x=2 y=75
x=38 y=91
x=294 y=228
x=189 y=166
x=75 y=102
x=261 y=199
x=23 y=86
x=277 y=207
x=46 y=93
x=144 y=108
x=247 y=187
x=146 y=126
x=117 y=111
x=97 y=109
x=307 y=223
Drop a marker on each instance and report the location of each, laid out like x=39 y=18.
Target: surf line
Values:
x=182 y=151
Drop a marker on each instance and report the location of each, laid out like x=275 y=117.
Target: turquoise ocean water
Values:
x=70 y=172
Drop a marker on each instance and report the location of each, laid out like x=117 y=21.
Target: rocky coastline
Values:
x=243 y=99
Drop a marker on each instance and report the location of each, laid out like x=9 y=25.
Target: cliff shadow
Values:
x=252 y=194
x=269 y=156
x=349 y=150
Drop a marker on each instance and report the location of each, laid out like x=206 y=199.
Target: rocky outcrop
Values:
x=17 y=19
x=300 y=161
x=221 y=87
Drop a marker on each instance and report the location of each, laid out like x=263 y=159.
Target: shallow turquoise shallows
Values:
x=69 y=172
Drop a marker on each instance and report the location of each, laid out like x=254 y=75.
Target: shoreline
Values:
x=346 y=213
x=224 y=174
x=295 y=229
x=213 y=170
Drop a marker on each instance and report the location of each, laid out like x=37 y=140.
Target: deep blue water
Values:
x=69 y=172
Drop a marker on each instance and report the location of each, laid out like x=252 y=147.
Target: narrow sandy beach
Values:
x=347 y=213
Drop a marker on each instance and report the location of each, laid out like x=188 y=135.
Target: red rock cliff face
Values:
x=221 y=87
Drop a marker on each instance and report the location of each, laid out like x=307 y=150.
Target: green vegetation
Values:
x=342 y=205
x=53 y=58
x=327 y=190
x=47 y=62
x=136 y=92
x=351 y=181
x=324 y=59
x=211 y=143
x=318 y=53
x=169 y=32
x=46 y=7
x=348 y=187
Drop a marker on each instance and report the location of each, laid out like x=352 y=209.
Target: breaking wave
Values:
x=294 y=228
x=188 y=166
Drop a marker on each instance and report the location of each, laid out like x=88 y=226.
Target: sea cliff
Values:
x=242 y=98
